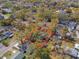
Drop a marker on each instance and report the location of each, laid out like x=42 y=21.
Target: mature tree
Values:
x=43 y=53
x=8 y=4
x=5 y=42
x=19 y=25
x=24 y=57
x=6 y=22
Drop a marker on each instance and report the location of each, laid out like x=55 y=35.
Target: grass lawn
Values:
x=6 y=16
x=8 y=54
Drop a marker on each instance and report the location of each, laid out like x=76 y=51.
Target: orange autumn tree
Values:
x=49 y=32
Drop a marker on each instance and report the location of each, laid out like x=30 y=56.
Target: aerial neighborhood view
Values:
x=39 y=29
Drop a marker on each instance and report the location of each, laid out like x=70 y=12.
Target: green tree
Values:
x=6 y=22
x=5 y=42
x=24 y=57
x=43 y=53
x=19 y=25
x=8 y=4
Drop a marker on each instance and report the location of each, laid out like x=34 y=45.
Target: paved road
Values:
x=13 y=57
x=2 y=52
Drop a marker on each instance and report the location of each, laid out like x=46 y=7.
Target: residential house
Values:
x=71 y=25
x=6 y=10
x=8 y=34
x=5 y=35
x=73 y=53
x=1 y=16
x=36 y=3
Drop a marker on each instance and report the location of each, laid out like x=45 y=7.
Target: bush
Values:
x=8 y=4
x=24 y=57
x=5 y=42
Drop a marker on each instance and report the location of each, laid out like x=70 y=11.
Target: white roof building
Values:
x=76 y=46
x=16 y=45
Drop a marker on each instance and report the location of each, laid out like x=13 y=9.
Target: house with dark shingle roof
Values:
x=1 y=16
x=6 y=10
